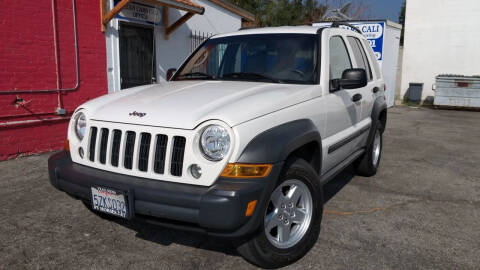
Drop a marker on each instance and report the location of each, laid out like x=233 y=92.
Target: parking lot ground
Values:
x=421 y=211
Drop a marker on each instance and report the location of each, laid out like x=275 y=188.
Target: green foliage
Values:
x=286 y=12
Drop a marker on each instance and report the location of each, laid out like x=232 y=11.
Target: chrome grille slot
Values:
x=177 y=155
x=93 y=142
x=129 y=148
x=117 y=136
x=145 y=139
x=160 y=154
x=103 y=145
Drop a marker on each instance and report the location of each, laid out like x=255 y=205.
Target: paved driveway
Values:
x=422 y=210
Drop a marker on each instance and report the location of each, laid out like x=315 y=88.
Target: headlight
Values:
x=215 y=142
x=80 y=125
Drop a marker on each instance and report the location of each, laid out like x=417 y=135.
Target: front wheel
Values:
x=368 y=163
x=291 y=221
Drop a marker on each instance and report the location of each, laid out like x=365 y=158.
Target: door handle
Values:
x=375 y=89
x=356 y=97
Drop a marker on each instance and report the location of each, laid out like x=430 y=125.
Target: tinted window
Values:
x=373 y=58
x=360 y=56
x=339 y=58
x=284 y=58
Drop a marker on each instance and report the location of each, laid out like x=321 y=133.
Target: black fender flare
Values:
x=277 y=143
x=379 y=105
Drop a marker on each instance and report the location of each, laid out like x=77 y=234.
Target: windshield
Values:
x=276 y=58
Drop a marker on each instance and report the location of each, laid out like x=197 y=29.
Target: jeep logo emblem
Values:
x=139 y=114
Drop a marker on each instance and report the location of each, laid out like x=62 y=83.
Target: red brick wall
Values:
x=27 y=62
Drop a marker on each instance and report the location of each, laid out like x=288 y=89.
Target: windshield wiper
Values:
x=197 y=75
x=249 y=75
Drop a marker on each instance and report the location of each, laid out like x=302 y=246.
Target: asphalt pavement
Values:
x=421 y=211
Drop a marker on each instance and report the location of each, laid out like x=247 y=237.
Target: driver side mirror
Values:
x=170 y=73
x=351 y=78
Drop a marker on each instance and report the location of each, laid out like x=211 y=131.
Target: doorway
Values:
x=137 y=56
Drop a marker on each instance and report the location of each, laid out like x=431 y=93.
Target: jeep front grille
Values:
x=93 y=141
x=132 y=150
x=103 y=146
x=177 y=155
x=117 y=136
x=144 y=149
x=160 y=153
x=129 y=147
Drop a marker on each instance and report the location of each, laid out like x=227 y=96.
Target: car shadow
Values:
x=167 y=236
x=336 y=184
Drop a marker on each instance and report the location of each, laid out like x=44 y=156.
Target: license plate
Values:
x=109 y=201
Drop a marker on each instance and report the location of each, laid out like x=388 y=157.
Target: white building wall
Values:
x=390 y=59
x=172 y=52
x=441 y=37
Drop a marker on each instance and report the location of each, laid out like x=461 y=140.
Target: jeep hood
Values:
x=186 y=104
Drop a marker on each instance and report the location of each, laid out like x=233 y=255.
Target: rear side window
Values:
x=373 y=58
x=339 y=58
x=360 y=56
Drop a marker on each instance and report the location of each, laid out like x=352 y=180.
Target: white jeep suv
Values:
x=238 y=143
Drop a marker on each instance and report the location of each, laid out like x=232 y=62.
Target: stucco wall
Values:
x=27 y=62
x=441 y=36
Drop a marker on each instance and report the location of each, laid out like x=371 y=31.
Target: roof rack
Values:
x=337 y=24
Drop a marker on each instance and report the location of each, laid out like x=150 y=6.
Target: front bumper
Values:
x=217 y=210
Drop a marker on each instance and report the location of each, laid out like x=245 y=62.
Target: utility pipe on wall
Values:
x=31 y=122
x=55 y=46
x=58 y=90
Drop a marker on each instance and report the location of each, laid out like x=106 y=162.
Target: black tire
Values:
x=366 y=164
x=260 y=251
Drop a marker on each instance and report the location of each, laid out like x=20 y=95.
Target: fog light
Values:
x=196 y=171
x=80 y=152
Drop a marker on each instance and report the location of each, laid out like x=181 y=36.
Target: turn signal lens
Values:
x=250 y=208
x=237 y=170
x=67 y=145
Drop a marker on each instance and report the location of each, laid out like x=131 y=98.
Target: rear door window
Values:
x=360 y=56
x=357 y=53
x=373 y=58
x=365 y=59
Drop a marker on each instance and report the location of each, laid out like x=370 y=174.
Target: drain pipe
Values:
x=60 y=110
x=58 y=90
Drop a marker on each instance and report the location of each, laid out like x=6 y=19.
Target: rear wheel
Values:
x=368 y=163
x=291 y=221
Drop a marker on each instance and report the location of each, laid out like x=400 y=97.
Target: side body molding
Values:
x=275 y=144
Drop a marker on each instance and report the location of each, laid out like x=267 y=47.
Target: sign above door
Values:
x=138 y=12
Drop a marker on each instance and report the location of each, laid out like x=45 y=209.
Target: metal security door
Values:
x=137 y=58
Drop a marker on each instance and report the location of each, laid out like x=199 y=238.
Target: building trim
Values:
x=235 y=9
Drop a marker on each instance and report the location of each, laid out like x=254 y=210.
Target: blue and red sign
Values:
x=374 y=32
